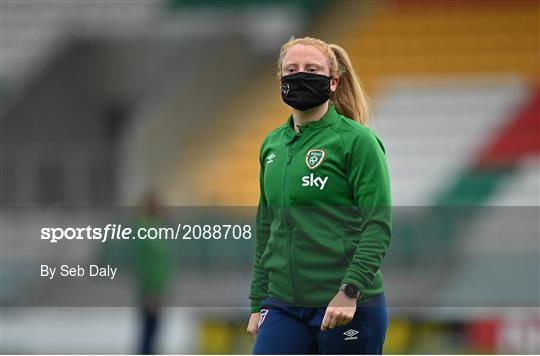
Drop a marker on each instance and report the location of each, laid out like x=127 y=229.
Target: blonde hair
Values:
x=349 y=98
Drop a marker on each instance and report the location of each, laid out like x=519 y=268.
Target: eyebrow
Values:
x=307 y=65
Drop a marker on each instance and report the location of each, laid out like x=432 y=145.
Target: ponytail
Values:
x=349 y=98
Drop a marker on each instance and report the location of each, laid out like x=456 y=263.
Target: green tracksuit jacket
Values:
x=324 y=214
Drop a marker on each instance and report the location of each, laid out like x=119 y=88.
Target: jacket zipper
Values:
x=285 y=195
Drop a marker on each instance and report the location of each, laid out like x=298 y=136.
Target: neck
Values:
x=313 y=114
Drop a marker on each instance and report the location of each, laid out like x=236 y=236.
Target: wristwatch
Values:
x=350 y=290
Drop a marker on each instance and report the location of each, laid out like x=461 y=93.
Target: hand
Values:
x=253 y=323
x=339 y=312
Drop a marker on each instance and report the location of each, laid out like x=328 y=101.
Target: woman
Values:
x=324 y=215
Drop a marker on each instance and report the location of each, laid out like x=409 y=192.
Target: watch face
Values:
x=351 y=291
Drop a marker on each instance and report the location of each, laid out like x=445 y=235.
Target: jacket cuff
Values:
x=256 y=306
x=361 y=283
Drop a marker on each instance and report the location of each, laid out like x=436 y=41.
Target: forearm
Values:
x=371 y=249
x=259 y=276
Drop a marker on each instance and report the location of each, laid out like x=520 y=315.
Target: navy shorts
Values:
x=285 y=329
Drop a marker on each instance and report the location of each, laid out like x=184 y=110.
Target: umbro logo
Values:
x=264 y=311
x=270 y=158
x=351 y=334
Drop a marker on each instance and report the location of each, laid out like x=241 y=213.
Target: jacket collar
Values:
x=330 y=117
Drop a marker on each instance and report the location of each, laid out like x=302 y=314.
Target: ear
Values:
x=334 y=84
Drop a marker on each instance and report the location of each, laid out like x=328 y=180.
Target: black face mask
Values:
x=304 y=90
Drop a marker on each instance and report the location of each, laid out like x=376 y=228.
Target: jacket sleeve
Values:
x=369 y=180
x=259 y=279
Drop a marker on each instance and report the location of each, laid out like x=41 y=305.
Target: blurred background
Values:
x=103 y=102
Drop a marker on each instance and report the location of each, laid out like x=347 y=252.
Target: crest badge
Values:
x=314 y=158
